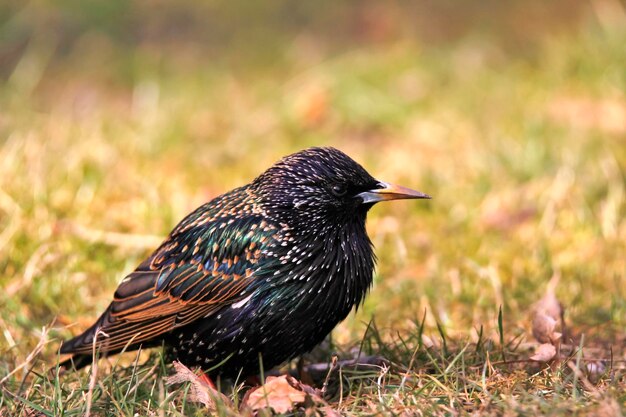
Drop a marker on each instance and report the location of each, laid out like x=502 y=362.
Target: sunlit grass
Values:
x=525 y=158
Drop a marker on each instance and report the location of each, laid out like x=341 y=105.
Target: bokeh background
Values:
x=117 y=118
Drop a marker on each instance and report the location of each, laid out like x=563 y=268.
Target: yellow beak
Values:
x=390 y=192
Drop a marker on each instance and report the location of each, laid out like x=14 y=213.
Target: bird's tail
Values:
x=76 y=362
x=84 y=342
x=94 y=340
x=82 y=346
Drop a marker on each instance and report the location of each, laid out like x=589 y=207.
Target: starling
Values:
x=266 y=271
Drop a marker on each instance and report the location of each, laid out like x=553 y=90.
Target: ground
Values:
x=524 y=153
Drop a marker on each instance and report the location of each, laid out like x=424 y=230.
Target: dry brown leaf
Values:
x=200 y=391
x=547 y=315
x=550 y=306
x=543 y=328
x=544 y=353
x=277 y=393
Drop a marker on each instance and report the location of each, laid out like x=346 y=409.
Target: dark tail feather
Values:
x=79 y=359
x=81 y=346
x=83 y=343
x=76 y=362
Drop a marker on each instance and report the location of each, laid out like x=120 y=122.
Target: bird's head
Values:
x=326 y=184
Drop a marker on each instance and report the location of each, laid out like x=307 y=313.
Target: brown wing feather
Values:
x=169 y=290
x=138 y=314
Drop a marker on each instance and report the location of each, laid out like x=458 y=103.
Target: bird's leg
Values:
x=300 y=366
x=319 y=372
x=303 y=375
x=206 y=379
x=253 y=381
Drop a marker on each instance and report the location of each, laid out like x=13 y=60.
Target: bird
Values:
x=255 y=277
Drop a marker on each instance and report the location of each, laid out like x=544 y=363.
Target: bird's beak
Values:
x=390 y=192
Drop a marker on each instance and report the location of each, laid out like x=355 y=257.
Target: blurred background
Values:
x=118 y=118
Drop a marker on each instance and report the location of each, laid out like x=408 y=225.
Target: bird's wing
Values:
x=206 y=262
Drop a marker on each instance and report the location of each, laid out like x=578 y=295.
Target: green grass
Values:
x=525 y=156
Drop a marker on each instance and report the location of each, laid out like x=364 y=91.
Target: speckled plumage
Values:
x=268 y=268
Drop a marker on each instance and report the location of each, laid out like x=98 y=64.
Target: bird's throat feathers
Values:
x=331 y=260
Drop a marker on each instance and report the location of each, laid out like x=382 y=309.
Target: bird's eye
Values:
x=338 y=190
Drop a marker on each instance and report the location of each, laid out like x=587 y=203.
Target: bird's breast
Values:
x=324 y=274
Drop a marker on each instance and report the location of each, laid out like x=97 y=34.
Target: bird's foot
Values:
x=317 y=373
x=356 y=363
x=206 y=379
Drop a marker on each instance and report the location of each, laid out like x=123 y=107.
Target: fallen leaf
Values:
x=277 y=393
x=549 y=305
x=200 y=391
x=544 y=353
x=547 y=315
x=543 y=328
